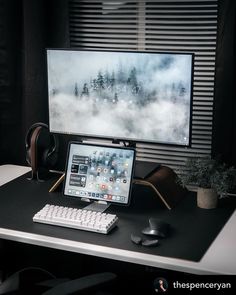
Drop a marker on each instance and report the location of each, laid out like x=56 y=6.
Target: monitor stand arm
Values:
x=131 y=144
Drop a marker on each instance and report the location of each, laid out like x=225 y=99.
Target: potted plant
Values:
x=211 y=177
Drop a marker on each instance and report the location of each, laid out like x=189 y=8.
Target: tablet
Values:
x=99 y=172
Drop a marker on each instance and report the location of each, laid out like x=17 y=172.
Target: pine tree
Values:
x=94 y=85
x=76 y=90
x=112 y=81
x=54 y=91
x=181 y=89
x=173 y=92
x=107 y=79
x=85 y=91
x=120 y=75
x=100 y=81
x=132 y=80
x=115 y=100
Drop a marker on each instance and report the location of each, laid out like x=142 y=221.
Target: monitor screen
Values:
x=97 y=172
x=133 y=96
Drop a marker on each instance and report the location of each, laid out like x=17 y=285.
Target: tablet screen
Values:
x=99 y=172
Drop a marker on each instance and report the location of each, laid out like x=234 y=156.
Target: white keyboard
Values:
x=76 y=218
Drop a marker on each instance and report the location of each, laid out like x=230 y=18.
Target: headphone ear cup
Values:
x=44 y=160
x=52 y=159
x=44 y=146
x=50 y=155
x=28 y=137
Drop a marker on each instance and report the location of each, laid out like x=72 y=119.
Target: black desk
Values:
x=21 y=199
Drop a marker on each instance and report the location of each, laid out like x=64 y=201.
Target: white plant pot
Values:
x=207 y=198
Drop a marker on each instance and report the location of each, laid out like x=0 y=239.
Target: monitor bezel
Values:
x=106 y=146
x=125 y=139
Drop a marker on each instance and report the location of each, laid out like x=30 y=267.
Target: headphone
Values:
x=41 y=147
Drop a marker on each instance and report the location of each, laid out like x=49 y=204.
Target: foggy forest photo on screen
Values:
x=123 y=95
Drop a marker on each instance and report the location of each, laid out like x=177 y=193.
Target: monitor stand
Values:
x=145 y=169
x=97 y=206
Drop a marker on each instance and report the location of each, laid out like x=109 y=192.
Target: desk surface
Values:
x=219 y=259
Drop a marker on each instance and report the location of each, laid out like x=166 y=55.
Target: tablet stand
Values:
x=57 y=183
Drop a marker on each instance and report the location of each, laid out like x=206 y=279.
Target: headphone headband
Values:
x=30 y=130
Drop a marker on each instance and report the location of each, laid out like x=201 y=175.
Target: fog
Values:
x=127 y=96
x=163 y=122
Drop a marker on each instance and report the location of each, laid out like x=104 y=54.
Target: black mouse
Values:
x=157 y=227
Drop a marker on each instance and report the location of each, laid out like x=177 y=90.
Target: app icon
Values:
x=109 y=197
x=124 y=181
x=111 y=179
x=97 y=195
x=103 y=186
x=105 y=170
x=83 y=169
x=91 y=177
x=99 y=169
x=74 y=168
x=112 y=171
x=90 y=185
x=118 y=180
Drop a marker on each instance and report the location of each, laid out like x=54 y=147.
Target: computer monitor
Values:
x=99 y=173
x=128 y=96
